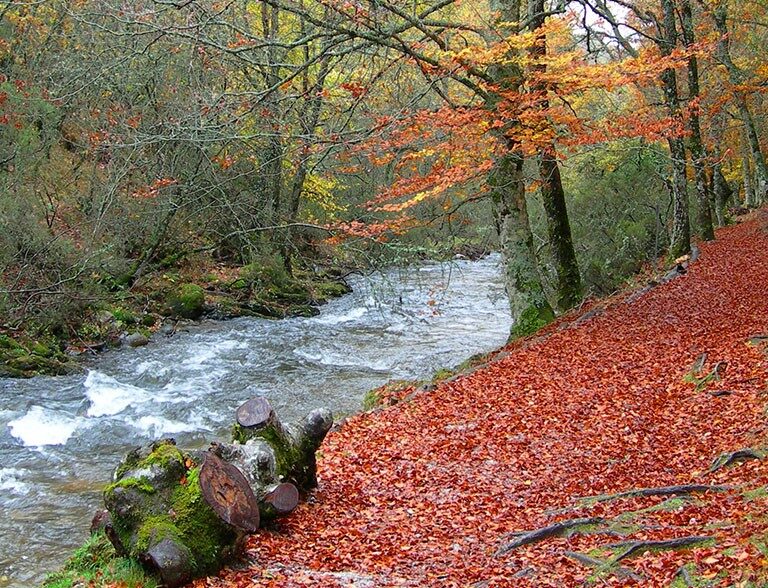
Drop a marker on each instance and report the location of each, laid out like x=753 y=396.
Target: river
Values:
x=61 y=437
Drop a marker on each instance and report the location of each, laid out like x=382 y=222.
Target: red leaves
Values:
x=423 y=492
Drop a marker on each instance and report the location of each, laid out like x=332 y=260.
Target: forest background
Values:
x=174 y=158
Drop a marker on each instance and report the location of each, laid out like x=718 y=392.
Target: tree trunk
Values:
x=680 y=241
x=568 y=287
x=185 y=514
x=528 y=303
x=746 y=172
x=735 y=77
x=720 y=188
x=527 y=299
x=698 y=155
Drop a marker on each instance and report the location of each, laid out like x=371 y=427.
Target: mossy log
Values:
x=293 y=448
x=185 y=514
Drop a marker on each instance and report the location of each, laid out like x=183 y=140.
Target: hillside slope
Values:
x=427 y=492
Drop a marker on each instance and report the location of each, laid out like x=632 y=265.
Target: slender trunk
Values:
x=746 y=170
x=527 y=300
x=680 y=241
x=720 y=188
x=698 y=155
x=568 y=286
x=760 y=187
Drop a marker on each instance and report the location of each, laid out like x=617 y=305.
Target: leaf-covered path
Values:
x=429 y=491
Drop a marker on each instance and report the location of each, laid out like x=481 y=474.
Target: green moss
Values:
x=163 y=453
x=531 y=320
x=140 y=484
x=155 y=529
x=760 y=493
x=7 y=342
x=188 y=301
x=372 y=399
x=443 y=374
x=198 y=525
x=123 y=315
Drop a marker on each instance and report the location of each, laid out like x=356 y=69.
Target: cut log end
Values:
x=228 y=493
x=283 y=498
x=254 y=413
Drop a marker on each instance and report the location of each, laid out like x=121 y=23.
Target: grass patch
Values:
x=96 y=564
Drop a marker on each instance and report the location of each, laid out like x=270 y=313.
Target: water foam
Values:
x=108 y=396
x=10 y=482
x=335 y=319
x=40 y=427
x=155 y=427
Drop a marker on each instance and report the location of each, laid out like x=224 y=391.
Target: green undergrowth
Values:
x=396 y=391
x=96 y=564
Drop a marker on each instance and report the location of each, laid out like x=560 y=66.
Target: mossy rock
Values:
x=328 y=289
x=188 y=301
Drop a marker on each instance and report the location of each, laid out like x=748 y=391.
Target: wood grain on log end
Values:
x=228 y=493
x=283 y=498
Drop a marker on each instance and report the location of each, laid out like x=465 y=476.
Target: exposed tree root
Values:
x=604 y=566
x=554 y=530
x=726 y=459
x=659 y=491
x=630 y=548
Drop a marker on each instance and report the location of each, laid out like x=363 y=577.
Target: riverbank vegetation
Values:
x=180 y=159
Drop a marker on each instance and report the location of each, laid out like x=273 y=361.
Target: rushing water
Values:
x=61 y=437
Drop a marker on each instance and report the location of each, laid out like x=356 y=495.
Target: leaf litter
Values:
x=428 y=491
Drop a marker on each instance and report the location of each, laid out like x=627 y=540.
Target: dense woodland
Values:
x=158 y=155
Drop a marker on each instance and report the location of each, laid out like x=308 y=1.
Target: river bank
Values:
x=60 y=437
x=623 y=444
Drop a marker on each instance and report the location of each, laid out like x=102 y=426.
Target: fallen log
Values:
x=186 y=514
x=293 y=447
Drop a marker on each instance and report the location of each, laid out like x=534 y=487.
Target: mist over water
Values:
x=61 y=437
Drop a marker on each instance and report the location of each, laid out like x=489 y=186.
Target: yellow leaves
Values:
x=320 y=190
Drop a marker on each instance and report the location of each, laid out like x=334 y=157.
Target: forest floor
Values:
x=434 y=489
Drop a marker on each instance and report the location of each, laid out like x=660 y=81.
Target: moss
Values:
x=188 y=301
x=198 y=525
x=372 y=399
x=123 y=315
x=327 y=289
x=163 y=453
x=140 y=484
x=443 y=374
x=531 y=320
x=155 y=529
x=7 y=342
x=760 y=493
x=41 y=349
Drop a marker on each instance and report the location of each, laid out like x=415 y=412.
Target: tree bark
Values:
x=528 y=302
x=735 y=77
x=568 y=286
x=680 y=241
x=698 y=154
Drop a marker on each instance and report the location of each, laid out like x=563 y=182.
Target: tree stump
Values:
x=185 y=514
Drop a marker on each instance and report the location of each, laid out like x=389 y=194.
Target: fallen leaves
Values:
x=423 y=492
